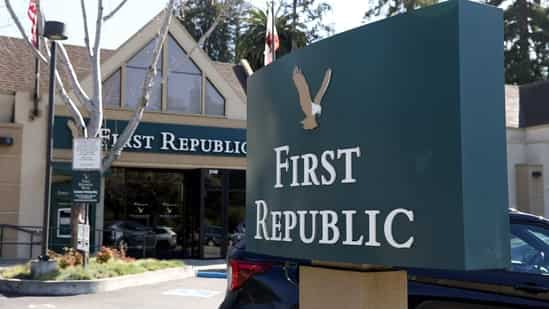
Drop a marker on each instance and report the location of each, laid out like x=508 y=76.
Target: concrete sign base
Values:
x=346 y=289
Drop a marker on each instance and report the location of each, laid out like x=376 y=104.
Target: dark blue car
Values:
x=260 y=281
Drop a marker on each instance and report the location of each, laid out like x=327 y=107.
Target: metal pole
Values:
x=36 y=110
x=294 y=21
x=273 y=30
x=49 y=146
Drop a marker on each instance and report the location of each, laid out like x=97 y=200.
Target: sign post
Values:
x=86 y=182
x=382 y=147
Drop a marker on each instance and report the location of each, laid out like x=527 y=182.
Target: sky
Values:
x=345 y=15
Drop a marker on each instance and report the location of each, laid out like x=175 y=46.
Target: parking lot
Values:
x=196 y=293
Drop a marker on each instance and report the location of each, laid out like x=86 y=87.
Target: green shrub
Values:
x=16 y=272
x=96 y=270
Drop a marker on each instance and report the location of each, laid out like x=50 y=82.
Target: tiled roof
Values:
x=17 y=67
x=17 y=64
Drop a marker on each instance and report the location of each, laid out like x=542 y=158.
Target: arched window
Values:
x=180 y=86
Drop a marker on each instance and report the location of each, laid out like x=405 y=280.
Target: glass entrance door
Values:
x=164 y=202
x=223 y=210
x=214 y=228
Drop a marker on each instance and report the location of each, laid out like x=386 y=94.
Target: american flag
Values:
x=32 y=13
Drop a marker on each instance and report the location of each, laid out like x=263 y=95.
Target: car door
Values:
x=524 y=285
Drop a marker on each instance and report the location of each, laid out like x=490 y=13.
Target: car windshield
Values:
x=529 y=249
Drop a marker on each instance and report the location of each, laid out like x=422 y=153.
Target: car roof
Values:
x=520 y=216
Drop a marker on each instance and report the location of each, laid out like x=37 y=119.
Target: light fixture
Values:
x=55 y=31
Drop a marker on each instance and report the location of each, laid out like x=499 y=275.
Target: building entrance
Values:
x=173 y=213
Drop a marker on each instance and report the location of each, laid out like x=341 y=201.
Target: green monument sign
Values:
x=385 y=145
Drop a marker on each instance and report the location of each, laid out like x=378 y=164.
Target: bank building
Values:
x=182 y=175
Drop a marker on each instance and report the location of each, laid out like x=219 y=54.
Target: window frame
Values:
x=164 y=71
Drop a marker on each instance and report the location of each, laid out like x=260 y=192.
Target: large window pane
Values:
x=215 y=103
x=143 y=59
x=178 y=61
x=134 y=89
x=111 y=90
x=184 y=92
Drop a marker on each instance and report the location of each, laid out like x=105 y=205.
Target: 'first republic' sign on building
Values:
x=384 y=145
x=165 y=138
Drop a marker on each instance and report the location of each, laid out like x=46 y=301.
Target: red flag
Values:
x=32 y=13
x=271 y=34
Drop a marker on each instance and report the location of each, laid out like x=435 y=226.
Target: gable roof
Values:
x=17 y=67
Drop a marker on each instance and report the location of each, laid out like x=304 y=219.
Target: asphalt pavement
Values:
x=192 y=293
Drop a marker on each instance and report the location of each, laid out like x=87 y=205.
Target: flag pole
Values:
x=272 y=30
x=36 y=110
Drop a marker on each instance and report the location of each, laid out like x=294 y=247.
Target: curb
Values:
x=76 y=287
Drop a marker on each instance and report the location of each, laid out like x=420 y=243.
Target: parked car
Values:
x=213 y=235
x=166 y=238
x=261 y=281
x=129 y=235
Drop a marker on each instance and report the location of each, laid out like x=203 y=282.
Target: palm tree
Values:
x=251 y=43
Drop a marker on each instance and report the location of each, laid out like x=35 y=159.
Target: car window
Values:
x=528 y=254
x=541 y=233
x=134 y=226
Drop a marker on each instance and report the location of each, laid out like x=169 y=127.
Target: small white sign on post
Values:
x=83 y=237
x=86 y=154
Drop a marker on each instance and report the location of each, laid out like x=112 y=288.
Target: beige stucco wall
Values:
x=528 y=146
x=10 y=182
x=6 y=107
x=33 y=164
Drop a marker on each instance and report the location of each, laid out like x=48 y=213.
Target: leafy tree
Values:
x=309 y=13
x=526 y=37
x=199 y=15
x=298 y=23
x=526 y=34
x=393 y=7
x=252 y=42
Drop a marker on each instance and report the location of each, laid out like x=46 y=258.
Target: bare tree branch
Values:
x=148 y=84
x=86 y=28
x=78 y=119
x=35 y=51
x=96 y=117
x=71 y=73
x=98 y=27
x=116 y=9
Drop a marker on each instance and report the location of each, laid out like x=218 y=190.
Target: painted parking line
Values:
x=192 y=293
x=41 y=306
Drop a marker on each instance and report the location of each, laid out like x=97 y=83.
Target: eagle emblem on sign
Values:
x=310 y=107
